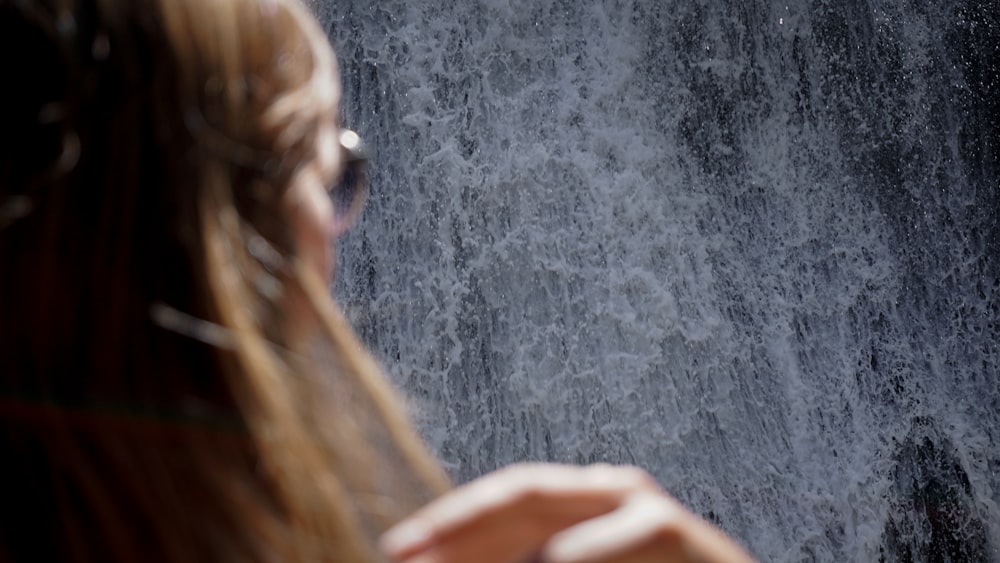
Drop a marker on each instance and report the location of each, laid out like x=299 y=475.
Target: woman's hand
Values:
x=559 y=514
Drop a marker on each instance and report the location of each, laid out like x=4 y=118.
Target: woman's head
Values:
x=164 y=240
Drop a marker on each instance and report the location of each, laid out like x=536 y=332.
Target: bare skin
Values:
x=312 y=213
x=559 y=514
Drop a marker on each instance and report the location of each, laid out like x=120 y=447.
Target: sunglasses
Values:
x=350 y=192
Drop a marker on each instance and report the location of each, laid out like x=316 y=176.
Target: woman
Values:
x=175 y=383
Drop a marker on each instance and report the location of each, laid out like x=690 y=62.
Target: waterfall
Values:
x=749 y=246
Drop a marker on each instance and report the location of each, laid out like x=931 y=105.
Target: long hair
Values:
x=159 y=397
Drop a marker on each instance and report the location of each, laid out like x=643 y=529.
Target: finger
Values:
x=645 y=554
x=516 y=543
x=481 y=505
x=502 y=537
x=525 y=503
x=645 y=526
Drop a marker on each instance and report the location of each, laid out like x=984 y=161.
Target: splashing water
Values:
x=751 y=247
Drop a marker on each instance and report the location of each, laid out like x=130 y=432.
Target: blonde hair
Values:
x=157 y=400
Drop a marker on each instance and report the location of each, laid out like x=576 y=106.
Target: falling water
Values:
x=750 y=246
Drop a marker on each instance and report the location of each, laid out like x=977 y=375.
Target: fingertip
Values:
x=404 y=540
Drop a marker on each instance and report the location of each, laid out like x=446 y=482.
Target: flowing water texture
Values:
x=750 y=246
